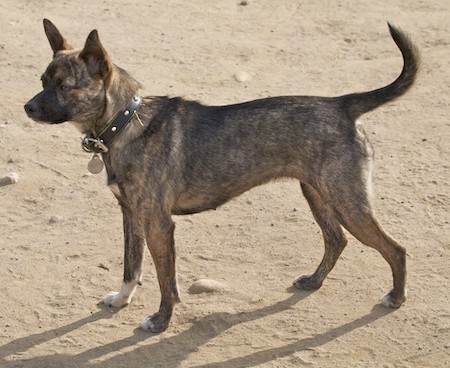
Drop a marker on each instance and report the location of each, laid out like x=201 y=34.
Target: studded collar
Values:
x=102 y=142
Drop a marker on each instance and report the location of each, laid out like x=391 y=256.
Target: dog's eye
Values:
x=65 y=85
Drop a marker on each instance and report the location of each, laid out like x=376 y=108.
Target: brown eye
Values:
x=64 y=86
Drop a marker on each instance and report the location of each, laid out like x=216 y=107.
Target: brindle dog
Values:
x=180 y=157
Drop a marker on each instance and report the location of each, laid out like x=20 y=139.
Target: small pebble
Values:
x=101 y=265
x=55 y=219
x=11 y=178
x=206 y=286
x=242 y=77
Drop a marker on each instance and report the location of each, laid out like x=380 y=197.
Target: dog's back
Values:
x=236 y=147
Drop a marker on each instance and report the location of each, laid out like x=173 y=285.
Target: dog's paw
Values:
x=116 y=299
x=393 y=301
x=155 y=323
x=123 y=297
x=307 y=282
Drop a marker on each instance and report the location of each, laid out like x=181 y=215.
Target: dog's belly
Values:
x=205 y=195
x=189 y=211
x=189 y=207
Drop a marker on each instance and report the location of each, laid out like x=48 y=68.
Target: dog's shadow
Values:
x=172 y=351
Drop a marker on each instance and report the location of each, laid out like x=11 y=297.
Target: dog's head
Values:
x=74 y=84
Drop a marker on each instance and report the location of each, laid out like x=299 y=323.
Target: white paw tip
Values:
x=115 y=299
x=387 y=301
x=147 y=324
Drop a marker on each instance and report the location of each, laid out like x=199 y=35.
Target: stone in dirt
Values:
x=206 y=286
x=11 y=178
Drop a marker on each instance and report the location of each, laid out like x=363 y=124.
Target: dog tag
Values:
x=95 y=166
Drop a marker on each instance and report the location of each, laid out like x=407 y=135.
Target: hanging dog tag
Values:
x=95 y=166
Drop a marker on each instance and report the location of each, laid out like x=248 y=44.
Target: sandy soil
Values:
x=61 y=236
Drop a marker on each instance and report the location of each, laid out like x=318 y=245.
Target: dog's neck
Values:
x=101 y=143
x=119 y=91
x=121 y=104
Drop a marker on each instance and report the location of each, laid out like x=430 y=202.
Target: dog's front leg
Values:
x=134 y=249
x=160 y=241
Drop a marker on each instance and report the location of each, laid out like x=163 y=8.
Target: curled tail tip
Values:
x=396 y=31
x=360 y=103
x=403 y=40
x=411 y=54
x=399 y=36
x=392 y=28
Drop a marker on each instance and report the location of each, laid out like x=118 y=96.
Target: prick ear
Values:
x=57 y=41
x=96 y=57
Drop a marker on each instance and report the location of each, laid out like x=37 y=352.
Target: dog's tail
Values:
x=357 y=104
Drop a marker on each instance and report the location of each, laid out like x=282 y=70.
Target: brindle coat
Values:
x=188 y=158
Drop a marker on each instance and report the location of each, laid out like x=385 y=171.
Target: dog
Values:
x=170 y=156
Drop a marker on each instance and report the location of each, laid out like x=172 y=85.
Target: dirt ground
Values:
x=61 y=230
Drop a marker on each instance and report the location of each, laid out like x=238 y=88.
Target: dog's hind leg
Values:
x=359 y=221
x=160 y=242
x=134 y=251
x=351 y=204
x=334 y=238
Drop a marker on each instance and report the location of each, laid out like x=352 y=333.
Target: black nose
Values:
x=30 y=107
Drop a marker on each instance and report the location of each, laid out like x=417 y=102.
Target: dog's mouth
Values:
x=39 y=120
x=35 y=113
